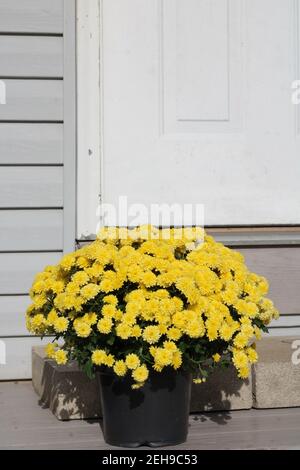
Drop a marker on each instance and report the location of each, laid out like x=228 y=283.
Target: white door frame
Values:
x=89 y=116
x=90 y=180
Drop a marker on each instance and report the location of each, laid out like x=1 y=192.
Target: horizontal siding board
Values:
x=286 y=321
x=31 y=230
x=24 y=187
x=31 y=16
x=31 y=56
x=281 y=267
x=18 y=357
x=33 y=100
x=295 y=331
x=12 y=315
x=256 y=236
x=17 y=270
x=31 y=144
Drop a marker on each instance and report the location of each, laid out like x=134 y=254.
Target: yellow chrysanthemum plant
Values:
x=134 y=303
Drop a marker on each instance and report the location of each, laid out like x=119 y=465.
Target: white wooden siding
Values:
x=31 y=187
x=18 y=355
x=32 y=16
x=33 y=100
x=37 y=159
x=31 y=56
x=40 y=230
x=12 y=318
x=30 y=144
x=17 y=270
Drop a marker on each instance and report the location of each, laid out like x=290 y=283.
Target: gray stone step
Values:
x=276 y=376
x=71 y=395
x=275 y=384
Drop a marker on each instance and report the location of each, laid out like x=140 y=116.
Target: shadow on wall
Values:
x=70 y=394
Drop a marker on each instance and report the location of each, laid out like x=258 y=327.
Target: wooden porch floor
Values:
x=25 y=425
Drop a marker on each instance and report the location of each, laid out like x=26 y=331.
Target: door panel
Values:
x=197 y=106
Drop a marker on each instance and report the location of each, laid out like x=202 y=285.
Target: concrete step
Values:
x=276 y=376
x=275 y=383
x=71 y=395
x=66 y=390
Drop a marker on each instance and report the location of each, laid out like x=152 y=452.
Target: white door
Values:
x=197 y=106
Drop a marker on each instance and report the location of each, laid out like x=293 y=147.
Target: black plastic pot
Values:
x=155 y=415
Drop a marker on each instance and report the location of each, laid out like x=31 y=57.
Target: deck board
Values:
x=26 y=425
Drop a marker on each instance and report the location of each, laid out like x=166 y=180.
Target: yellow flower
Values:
x=148 y=278
x=111 y=299
x=99 y=357
x=120 y=368
x=90 y=318
x=151 y=334
x=52 y=317
x=129 y=318
x=37 y=323
x=72 y=288
x=252 y=355
x=109 y=362
x=174 y=333
x=257 y=332
x=170 y=346
x=82 y=328
x=226 y=332
x=105 y=325
x=40 y=300
x=67 y=262
x=80 y=278
x=61 y=324
x=57 y=287
x=179 y=320
x=163 y=357
x=123 y=330
x=140 y=374
x=197 y=381
x=177 y=359
x=216 y=357
x=136 y=386
x=132 y=361
x=82 y=262
x=90 y=291
x=108 y=310
x=50 y=350
x=244 y=372
x=136 y=331
x=241 y=340
x=61 y=357
x=240 y=359
x=195 y=329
